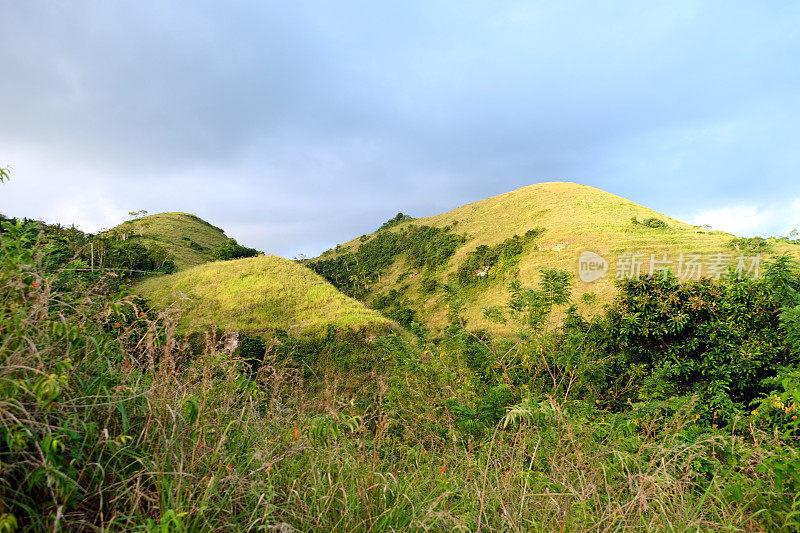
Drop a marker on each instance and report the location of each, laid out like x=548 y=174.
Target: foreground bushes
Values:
x=108 y=421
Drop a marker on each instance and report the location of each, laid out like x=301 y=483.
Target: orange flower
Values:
x=116 y=324
x=141 y=314
x=34 y=284
x=295 y=431
x=442 y=470
x=794 y=416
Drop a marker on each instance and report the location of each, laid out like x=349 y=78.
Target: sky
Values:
x=299 y=125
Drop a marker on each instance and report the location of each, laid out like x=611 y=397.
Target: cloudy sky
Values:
x=298 y=125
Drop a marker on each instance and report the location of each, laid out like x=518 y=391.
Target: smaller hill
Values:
x=258 y=294
x=190 y=240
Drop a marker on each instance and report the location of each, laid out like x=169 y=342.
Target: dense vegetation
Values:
x=424 y=247
x=106 y=251
x=750 y=244
x=397 y=219
x=488 y=262
x=649 y=222
x=230 y=249
x=674 y=410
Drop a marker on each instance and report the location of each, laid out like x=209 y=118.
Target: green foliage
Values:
x=790 y=320
x=110 y=422
x=653 y=222
x=397 y=219
x=749 y=244
x=782 y=278
x=717 y=340
x=395 y=306
x=485 y=262
x=342 y=349
x=230 y=249
x=67 y=247
x=423 y=247
x=650 y=222
x=531 y=307
x=252 y=349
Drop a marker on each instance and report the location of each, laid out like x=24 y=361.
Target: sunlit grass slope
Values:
x=189 y=239
x=257 y=295
x=575 y=218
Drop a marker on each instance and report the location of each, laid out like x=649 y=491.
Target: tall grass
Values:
x=109 y=421
x=259 y=294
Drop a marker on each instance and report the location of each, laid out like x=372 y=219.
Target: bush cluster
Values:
x=426 y=247
x=484 y=262
x=70 y=246
x=750 y=244
x=650 y=222
x=230 y=249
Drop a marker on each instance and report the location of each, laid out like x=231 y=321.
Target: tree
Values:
x=230 y=249
x=136 y=215
x=5 y=174
x=794 y=234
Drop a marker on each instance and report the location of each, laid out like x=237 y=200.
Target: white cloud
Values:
x=752 y=220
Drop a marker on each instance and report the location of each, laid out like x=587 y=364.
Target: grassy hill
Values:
x=259 y=294
x=565 y=220
x=189 y=239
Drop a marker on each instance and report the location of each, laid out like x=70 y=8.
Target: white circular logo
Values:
x=591 y=267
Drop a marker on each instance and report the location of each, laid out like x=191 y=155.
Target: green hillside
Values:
x=188 y=239
x=561 y=219
x=259 y=294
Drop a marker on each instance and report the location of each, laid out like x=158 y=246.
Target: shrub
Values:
x=654 y=223
x=749 y=244
x=715 y=339
x=484 y=262
x=230 y=249
x=425 y=247
x=397 y=219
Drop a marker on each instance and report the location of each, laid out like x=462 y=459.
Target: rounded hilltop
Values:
x=189 y=239
x=257 y=295
x=546 y=225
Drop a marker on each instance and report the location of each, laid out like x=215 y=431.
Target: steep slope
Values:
x=187 y=238
x=563 y=220
x=259 y=294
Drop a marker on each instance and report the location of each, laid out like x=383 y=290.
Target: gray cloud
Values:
x=300 y=125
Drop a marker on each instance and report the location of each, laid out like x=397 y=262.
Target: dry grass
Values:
x=577 y=217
